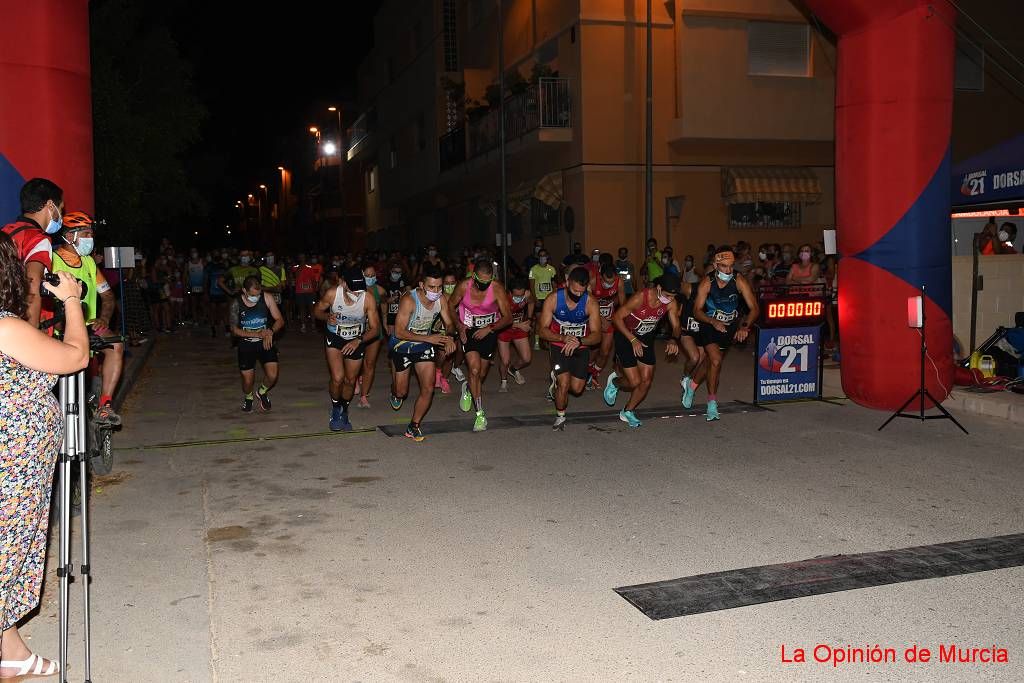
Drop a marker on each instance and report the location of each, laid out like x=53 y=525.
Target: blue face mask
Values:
x=54 y=226
x=724 y=277
x=370 y=281
x=252 y=299
x=85 y=246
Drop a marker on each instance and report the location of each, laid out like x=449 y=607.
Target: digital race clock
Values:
x=789 y=312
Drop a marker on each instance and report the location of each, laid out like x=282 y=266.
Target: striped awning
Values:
x=747 y=184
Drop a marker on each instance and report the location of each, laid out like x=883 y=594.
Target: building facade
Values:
x=743 y=117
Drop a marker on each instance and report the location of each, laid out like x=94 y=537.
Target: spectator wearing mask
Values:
x=691 y=273
x=668 y=262
x=804 y=271
x=534 y=257
x=576 y=258
x=627 y=273
x=652 y=266
x=744 y=260
x=42 y=209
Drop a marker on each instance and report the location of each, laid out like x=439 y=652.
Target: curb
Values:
x=132 y=370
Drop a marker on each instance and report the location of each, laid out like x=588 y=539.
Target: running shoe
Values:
x=611 y=392
x=336 y=422
x=503 y=387
x=458 y=375
x=246 y=405
x=106 y=415
x=466 y=400
x=363 y=402
x=346 y=425
x=518 y=377
x=414 y=433
x=551 y=387
x=629 y=417
x=687 y=397
x=396 y=403
x=445 y=387
x=559 y=423
x=264 y=401
x=481 y=422
x=712 y=411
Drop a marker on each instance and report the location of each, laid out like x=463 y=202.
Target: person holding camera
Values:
x=42 y=206
x=74 y=256
x=31 y=430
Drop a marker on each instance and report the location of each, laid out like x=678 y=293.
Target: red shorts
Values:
x=511 y=334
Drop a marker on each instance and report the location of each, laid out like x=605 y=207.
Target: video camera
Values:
x=54 y=280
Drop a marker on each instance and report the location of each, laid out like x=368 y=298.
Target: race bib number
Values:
x=197 y=290
x=605 y=310
x=349 y=332
x=645 y=327
x=570 y=330
x=517 y=317
x=393 y=308
x=478 y=321
x=724 y=317
x=277 y=298
x=544 y=287
x=306 y=286
x=692 y=325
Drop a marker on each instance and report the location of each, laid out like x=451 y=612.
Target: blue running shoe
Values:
x=629 y=418
x=336 y=422
x=712 y=411
x=346 y=425
x=611 y=392
x=687 y=393
x=396 y=403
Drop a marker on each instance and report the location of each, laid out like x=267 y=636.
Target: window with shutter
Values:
x=778 y=49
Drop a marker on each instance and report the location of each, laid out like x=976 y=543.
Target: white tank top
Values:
x=351 y=318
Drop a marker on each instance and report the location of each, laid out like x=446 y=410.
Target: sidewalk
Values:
x=1005 y=405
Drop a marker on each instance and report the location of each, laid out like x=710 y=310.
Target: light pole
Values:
x=341 y=148
x=503 y=219
x=648 y=133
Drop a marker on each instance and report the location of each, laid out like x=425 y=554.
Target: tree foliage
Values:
x=145 y=118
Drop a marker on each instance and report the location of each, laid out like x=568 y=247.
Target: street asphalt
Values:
x=232 y=547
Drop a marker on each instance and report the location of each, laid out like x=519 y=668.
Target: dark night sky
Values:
x=265 y=75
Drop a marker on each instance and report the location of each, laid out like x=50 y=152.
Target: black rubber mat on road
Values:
x=581 y=418
x=755 y=585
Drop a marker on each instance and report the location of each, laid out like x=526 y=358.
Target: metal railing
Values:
x=547 y=104
x=360 y=130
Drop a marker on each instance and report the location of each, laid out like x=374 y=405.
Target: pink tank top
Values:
x=479 y=315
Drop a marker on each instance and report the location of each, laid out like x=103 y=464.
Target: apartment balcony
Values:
x=544 y=108
x=359 y=134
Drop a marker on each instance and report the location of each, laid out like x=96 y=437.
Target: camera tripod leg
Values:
x=83 y=480
x=67 y=389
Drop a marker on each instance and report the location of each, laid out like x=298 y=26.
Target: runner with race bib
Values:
x=716 y=308
x=635 y=324
x=481 y=311
x=352 y=323
x=570 y=321
x=416 y=343
x=610 y=293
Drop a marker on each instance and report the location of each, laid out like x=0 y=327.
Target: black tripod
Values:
x=922 y=392
x=71 y=391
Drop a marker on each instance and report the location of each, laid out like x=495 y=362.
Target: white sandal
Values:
x=33 y=666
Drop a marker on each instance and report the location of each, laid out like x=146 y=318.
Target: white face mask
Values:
x=252 y=298
x=244 y=260
x=543 y=260
x=1004 y=236
x=433 y=296
x=762 y=255
x=664 y=299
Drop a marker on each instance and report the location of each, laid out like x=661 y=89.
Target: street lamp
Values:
x=330 y=148
x=341 y=147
